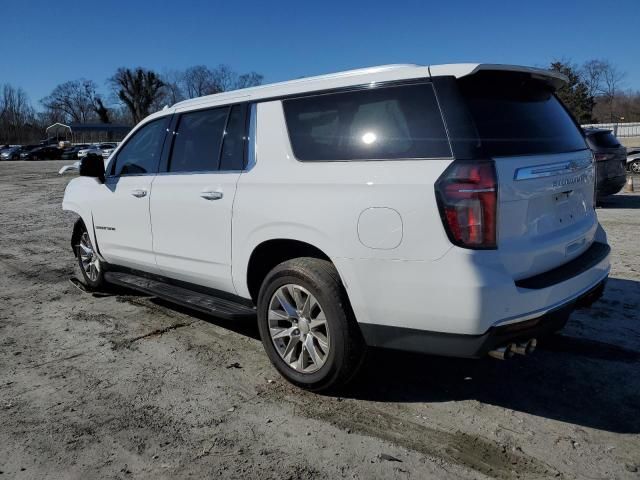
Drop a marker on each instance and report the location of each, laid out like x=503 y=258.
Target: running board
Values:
x=202 y=302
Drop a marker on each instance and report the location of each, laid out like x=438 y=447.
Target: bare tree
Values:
x=16 y=114
x=138 y=90
x=251 y=79
x=199 y=81
x=604 y=81
x=226 y=79
x=74 y=99
x=173 y=81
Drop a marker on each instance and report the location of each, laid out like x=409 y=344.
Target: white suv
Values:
x=445 y=209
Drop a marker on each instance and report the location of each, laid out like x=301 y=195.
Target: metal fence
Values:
x=619 y=129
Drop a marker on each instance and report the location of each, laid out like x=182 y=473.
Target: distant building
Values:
x=87 y=132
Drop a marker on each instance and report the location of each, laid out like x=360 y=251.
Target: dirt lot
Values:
x=121 y=385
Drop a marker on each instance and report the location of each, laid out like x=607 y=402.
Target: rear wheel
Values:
x=306 y=325
x=635 y=166
x=90 y=266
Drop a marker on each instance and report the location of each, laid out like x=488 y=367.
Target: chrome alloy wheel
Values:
x=298 y=328
x=88 y=258
x=635 y=166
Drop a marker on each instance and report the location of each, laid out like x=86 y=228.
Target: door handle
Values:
x=139 y=193
x=211 y=195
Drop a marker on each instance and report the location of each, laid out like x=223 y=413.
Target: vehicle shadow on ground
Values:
x=583 y=381
x=624 y=201
x=580 y=380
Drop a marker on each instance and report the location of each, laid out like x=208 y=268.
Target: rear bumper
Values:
x=462 y=293
x=610 y=186
x=476 y=346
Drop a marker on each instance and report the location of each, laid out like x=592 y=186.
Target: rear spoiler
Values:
x=464 y=69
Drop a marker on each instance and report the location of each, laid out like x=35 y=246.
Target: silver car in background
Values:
x=98 y=149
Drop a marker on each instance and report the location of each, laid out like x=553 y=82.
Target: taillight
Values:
x=603 y=157
x=467 y=194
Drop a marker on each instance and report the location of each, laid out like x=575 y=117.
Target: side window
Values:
x=233 y=149
x=197 y=142
x=142 y=151
x=383 y=123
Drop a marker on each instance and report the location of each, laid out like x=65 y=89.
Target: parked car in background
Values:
x=11 y=153
x=611 y=157
x=633 y=160
x=107 y=149
x=25 y=149
x=42 y=153
x=71 y=153
x=97 y=148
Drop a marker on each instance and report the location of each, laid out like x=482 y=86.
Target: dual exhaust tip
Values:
x=511 y=349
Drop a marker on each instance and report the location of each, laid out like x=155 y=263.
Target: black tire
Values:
x=347 y=349
x=81 y=236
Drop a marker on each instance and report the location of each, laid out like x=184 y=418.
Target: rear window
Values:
x=515 y=114
x=399 y=122
x=603 y=140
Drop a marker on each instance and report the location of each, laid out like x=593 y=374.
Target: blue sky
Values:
x=44 y=43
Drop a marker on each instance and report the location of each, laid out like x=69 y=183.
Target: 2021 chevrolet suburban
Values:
x=445 y=209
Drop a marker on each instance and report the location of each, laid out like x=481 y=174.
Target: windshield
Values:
x=515 y=114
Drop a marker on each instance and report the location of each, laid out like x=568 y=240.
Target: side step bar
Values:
x=202 y=302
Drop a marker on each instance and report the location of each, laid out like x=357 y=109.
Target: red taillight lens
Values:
x=467 y=196
x=603 y=157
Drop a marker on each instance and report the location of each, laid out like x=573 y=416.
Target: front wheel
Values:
x=634 y=167
x=307 y=326
x=90 y=266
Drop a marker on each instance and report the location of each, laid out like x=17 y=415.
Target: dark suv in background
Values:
x=611 y=158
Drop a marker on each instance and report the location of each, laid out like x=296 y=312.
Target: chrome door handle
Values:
x=211 y=195
x=139 y=193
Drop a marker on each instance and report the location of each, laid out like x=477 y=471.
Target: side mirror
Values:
x=92 y=165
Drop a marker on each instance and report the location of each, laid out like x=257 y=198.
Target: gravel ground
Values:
x=119 y=385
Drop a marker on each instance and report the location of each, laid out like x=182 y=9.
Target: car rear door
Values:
x=120 y=207
x=192 y=199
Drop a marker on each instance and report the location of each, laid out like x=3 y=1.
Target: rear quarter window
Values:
x=603 y=140
x=385 y=123
x=515 y=114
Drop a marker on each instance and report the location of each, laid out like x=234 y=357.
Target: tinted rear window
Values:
x=515 y=114
x=374 y=124
x=603 y=140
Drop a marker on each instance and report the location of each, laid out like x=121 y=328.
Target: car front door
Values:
x=192 y=199
x=121 y=207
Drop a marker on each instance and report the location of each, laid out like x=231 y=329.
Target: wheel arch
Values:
x=269 y=253
x=75 y=200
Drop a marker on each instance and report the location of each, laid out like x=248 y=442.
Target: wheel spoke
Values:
x=275 y=315
x=306 y=307
x=294 y=291
x=85 y=249
x=281 y=332
x=300 y=362
x=288 y=308
x=311 y=350
x=322 y=340
x=317 y=323
x=291 y=347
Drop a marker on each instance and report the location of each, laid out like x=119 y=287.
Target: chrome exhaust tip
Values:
x=503 y=353
x=526 y=348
